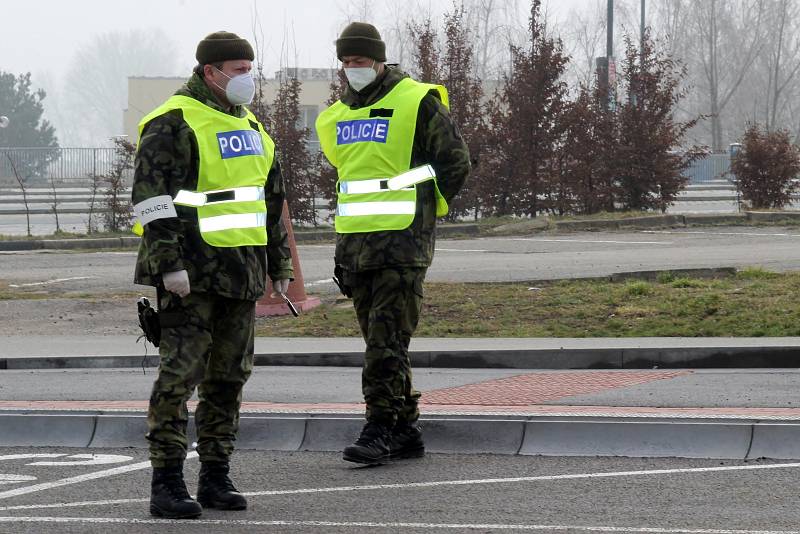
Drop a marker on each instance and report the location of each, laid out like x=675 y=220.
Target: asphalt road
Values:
x=318 y=493
x=500 y=259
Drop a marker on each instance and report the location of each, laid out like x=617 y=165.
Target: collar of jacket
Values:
x=196 y=88
x=374 y=91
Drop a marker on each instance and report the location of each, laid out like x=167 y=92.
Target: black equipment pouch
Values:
x=148 y=321
x=338 y=279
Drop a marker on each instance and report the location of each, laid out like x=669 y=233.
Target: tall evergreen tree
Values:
x=24 y=107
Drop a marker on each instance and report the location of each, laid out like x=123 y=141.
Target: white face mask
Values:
x=240 y=89
x=360 y=77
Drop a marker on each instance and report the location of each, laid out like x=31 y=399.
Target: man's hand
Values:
x=280 y=286
x=177 y=282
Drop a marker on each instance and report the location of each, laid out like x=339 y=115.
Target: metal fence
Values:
x=710 y=168
x=68 y=166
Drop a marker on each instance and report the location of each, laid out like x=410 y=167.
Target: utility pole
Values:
x=610 y=30
x=641 y=31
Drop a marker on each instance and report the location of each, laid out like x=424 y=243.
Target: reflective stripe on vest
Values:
x=402 y=181
x=236 y=155
x=239 y=194
x=370 y=149
x=360 y=209
x=229 y=222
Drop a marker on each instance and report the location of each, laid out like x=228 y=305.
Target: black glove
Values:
x=148 y=321
x=338 y=279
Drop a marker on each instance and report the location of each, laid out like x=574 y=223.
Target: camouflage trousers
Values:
x=388 y=302
x=209 y=347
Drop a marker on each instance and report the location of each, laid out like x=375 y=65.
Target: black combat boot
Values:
x=406 y=441
x=168 y=495
x=215 y=489
x=371 y=447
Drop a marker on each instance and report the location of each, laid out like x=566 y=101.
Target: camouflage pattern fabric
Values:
x=438 y=142
x=167 y=161
x=385 y=270
x=211 y=347
x=387 y=303
x=212 y=350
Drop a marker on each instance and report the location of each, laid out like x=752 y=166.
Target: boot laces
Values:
x=370 y=433
x=175 y=486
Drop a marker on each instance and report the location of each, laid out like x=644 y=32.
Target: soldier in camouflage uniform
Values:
x=208 y=277
x=382 y=266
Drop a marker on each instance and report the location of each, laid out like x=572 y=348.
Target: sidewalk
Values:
x=519 y=396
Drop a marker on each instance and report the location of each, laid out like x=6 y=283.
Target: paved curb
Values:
x=133 y=241
x=554 y=436
x=543 y=358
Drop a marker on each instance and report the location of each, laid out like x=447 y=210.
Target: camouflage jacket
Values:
x=438 y=142
x=167 y=160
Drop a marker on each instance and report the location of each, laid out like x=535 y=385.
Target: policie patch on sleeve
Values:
x=160 y=207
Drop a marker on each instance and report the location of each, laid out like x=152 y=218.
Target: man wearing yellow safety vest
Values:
x=400 y=160
x=208 y=194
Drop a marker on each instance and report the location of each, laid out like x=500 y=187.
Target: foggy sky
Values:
x=40 y=36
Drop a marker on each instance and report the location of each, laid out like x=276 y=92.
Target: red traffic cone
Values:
x=274 y=305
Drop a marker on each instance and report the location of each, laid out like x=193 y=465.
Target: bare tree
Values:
x=24 y=190
x=96 y=84
x=730 y=37
x=54 y=202
x=357 y=10
x=586 y=33
x=118 y=214
x=781 y=59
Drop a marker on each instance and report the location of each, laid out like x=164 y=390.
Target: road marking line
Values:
x=54 y=281
x=371 y=524
x=15 y=479
x=534 y=240
x=459 y=250
x=750 y=234
x=529 y=479
x=541 y=478
x=80 y=478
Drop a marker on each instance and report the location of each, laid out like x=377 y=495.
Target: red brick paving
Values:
x=535 y=388
x=518 y=395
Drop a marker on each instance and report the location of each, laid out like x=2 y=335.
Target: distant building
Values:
x=147 y=93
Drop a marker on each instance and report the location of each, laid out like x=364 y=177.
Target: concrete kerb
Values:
x=698 y=357
x=133 y=241
x=639 y=438
x=42 y=429
x=557 y=436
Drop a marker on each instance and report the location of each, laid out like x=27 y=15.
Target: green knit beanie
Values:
x=361 y=39
x=223 y=46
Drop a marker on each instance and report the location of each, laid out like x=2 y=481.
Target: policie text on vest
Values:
x=361 y=130
x=240 y=143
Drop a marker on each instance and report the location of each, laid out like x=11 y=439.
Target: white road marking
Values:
x=748 y=234
x=370 y=524
x=14 y=479
x=337 y=489
x=29 y=456
x=460 y=250
x=80 y=478
x=54 y=281
x=535 y=240
x=90 y=459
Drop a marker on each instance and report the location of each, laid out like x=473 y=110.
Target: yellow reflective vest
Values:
x=369 y=147
x=235 y=160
